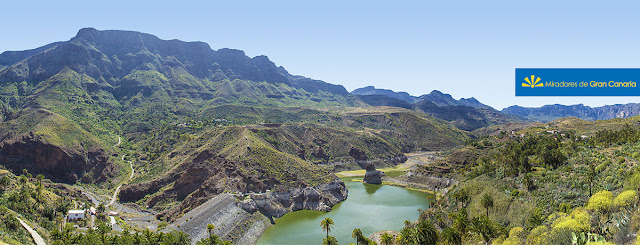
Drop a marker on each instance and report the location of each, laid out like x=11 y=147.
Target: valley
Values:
x=159 y=141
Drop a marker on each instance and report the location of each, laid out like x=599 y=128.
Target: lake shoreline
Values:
x=362 y=201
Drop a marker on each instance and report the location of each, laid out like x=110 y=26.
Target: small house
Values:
x=75 y=215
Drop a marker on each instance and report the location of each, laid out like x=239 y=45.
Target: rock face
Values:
x=372 y=176
x=278 y=203
x=56 y=163
x=111 y=55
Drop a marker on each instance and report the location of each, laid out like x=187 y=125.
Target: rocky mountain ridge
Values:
x=549 y=113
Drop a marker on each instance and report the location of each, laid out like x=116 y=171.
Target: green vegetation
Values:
x=555 y=187
x=327 y=225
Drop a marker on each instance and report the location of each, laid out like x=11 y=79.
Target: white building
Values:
x=75 y=215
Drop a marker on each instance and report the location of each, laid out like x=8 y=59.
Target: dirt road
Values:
x=36 y=237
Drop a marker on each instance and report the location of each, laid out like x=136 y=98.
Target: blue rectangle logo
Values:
x=577 y=81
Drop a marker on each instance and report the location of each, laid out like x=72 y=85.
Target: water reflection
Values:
x=371 y=188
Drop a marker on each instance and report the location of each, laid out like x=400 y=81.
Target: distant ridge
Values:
x=466 y=113
x=436 y=97
x=549 y=113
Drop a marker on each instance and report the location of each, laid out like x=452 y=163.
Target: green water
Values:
x=368 y=207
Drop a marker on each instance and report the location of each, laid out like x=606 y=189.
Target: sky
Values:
x=464 y=48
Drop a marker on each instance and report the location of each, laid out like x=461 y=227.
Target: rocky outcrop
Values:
x=430 y=182
x=56 y=163
x=372 y=176
x=278 y=203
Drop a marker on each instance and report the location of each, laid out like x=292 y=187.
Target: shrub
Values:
x=516 y=236
x=601 y=201
x=625 y=198
x=577 y=221
x=558 y=237
x=537 y=235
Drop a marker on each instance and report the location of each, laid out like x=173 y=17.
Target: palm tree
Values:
x=484 y=227
x=357 y=234
x=327 y=224
x=592 y=173
x=137 y=238
x=148 y=235
x=210 y=228
x=23 y=180
x=487 y=202
x=4 y=182
x=450 y=236
x=426 y=232
x=40 y=177
x=386 y=239
x=330 y=240
x=461 y=197
x=159 y=236
x=182 y=238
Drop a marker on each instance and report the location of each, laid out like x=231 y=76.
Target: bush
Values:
x=559 y=237
x=578 y=221
x=601 y=201
x=537 y=235
x=625 y=198
x=516 y=235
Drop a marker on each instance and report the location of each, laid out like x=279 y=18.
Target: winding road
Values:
x=36 y=237
x=115 y=193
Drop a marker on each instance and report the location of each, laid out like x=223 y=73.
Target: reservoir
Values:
x=368 y=207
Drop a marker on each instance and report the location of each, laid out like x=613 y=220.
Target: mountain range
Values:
x=187 y=117
x=544 y=113
x=465 y=113
x=195 y=122
x=549 y=113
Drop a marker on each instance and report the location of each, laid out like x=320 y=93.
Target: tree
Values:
x=23 y=180
x=327 y=225
x=101 y=208
x=528 y=181
x=210 y=228
x=484 y=227
x=4 y=182
x=330 y=240
x=212 y=239
x=182 y=238
x=40 y=177
x=592 y=173
x=536 y=219
x=386 y=239
x=423 y=232
x=487 y=202
x=449 y=236
x=461 y=197
x=461 y=222
x=360 y=239
x=148 y=235
x=103 y=232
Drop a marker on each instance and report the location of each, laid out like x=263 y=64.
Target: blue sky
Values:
x=465 y=48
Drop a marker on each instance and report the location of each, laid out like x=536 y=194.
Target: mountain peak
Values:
x=371 y=90
x=442 y=99
x=86 y=31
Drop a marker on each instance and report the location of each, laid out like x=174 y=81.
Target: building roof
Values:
x=76 y=211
